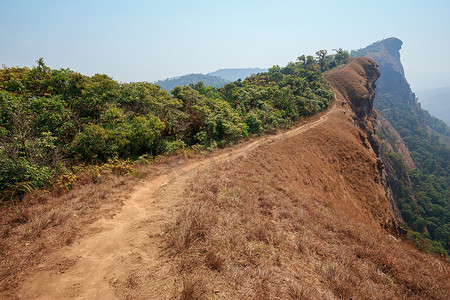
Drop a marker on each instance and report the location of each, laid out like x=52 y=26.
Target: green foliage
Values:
x=424 y=243
x=51 y=114
x=423 y=194
x=92 y=144
x=21 y=176
x=51 y=120
x=437 y=125
x=325 y=61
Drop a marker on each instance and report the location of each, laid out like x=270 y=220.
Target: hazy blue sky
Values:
x=151 y=40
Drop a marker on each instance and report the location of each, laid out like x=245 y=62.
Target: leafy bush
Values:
x=21 y=176
x=51 y=120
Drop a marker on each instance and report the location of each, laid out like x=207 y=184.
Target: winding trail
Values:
x=120 y=252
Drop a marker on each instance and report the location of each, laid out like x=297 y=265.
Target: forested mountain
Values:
x=235 y=74
x=422 y=191
x=208 y=80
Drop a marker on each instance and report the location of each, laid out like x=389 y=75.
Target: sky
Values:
x=153 y=40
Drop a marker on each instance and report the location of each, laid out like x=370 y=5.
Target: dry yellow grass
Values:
x=302 y=218
x=287 y=224
x=46 y=221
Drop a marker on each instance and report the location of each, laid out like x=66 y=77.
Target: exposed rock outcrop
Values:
x=393 y=84
x=355 y=86
x=386 y=54
x=356 y=82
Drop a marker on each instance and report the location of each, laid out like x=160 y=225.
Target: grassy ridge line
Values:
x=298 y=219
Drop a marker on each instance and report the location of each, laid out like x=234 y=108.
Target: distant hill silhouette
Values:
x=209 y=80
x=235 y=74
x=216 y=79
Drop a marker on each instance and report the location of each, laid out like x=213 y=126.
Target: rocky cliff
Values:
x=392 y=84
x=386 y=54
x=415 y=158
x=354 y=85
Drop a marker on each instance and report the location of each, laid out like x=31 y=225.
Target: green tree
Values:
x=322 y=59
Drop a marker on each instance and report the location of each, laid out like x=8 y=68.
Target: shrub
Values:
x=92 y=144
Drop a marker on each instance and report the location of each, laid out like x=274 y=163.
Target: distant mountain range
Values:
x=169 y=83
x=437 y=102
x=216 y=79
x=235 y=74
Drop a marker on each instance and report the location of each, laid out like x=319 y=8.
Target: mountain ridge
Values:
x=209 y=80
x=301 y=214
x=284 y=222
x=233 y=74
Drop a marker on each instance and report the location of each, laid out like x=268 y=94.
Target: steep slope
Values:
x=422 y=187
x=303 y=218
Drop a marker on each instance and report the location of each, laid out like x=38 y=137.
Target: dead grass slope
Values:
x=44 y=222
x=302 y=218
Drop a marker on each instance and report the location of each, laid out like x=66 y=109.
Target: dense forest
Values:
x=423 y=193
x=52 y=121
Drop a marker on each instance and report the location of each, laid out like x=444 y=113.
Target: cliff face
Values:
x=355 y=86
x=392 y=84
x=386 y=54
x=416 y=161
x=392 y=81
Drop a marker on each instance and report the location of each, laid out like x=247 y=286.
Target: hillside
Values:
x=56 y=123
x=421 y=189
x=208 y=80
x=285 y=217
x=303 y=218
x=70 y=145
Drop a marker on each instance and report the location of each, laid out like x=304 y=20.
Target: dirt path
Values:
x=119 y=253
